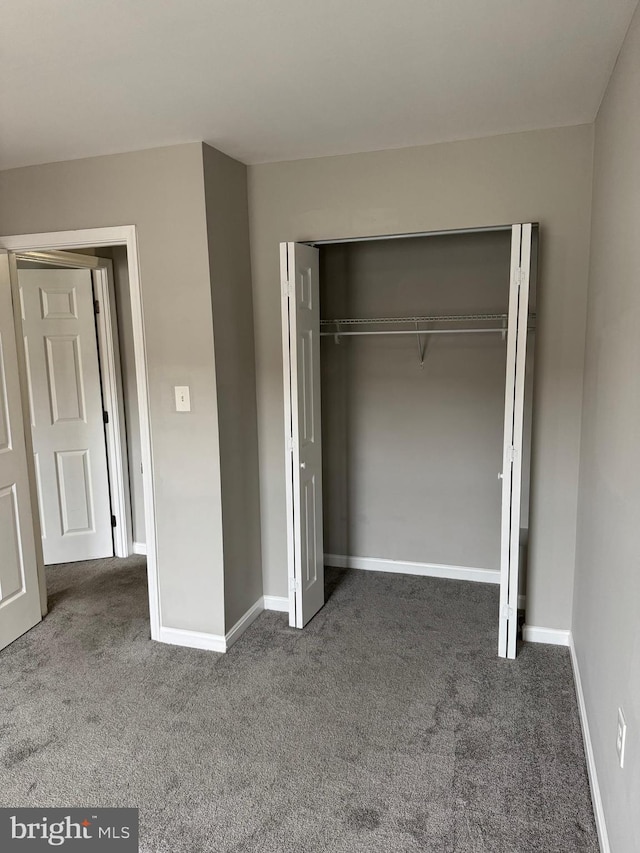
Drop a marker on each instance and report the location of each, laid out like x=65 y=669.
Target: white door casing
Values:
x=19 y=589
x=301 y=350
x=517 y=333
x=119 y=235
x=65 y=401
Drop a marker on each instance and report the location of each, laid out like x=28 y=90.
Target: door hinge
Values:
x=291 y=444
x=507 y=612
x=287 y=290
x=511 y=454
x=96 y=306
x=114 y=522
x=105 y=417
x=294 y=585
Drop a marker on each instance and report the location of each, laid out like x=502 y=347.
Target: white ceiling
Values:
x=271 y=80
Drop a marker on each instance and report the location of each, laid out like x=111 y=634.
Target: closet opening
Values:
x=408 y=404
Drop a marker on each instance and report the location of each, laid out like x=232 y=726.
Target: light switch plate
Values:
x=183 y=398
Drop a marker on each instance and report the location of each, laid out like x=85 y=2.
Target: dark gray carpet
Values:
x=388 y=724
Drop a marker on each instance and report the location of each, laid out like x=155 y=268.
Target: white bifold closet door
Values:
x=19 y=590
x=303 y=430
x=66 y=407
x=519 y=288
x=301 y=343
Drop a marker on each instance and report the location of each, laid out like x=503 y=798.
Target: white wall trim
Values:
x=559 y=637
x=120 y=235
x=598 y=809
x=212 y=642
x=243 y=623
x=427 y=570
x=552 y=636
x=139 y=548
x=276 y=602
x=192 y=639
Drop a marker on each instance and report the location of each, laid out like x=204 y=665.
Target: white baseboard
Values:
x=243 y=622
x=596 y=798
x=140 y=548
x=426 y=570
x=211 y=642
x=193 y=639
x=565 y=638
x=276 y=602
x=553 y=636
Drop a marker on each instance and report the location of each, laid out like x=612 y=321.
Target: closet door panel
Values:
x=507 y=455
x=512 y=473
x=301 y=338
x=518 y=433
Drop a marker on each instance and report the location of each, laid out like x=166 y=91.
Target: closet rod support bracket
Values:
x=422 y=346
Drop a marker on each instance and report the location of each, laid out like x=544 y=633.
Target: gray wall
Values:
x=410 y=454
x=606 y=619
x=542 y=176
x=162 y=192
x=230 y=269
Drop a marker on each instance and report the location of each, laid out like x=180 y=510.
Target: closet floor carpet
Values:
x=388 y=724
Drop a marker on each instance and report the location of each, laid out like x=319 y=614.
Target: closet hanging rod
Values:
x=442 y=318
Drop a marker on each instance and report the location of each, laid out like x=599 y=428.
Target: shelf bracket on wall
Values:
x=336 y=337
x=422 y=345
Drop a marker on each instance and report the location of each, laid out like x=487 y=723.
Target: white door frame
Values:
x=121 y=235
x=111 y=380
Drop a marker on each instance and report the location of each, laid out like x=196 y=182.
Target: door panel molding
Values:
x=12 y=579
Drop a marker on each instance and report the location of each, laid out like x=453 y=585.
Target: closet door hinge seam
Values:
x=294 y=585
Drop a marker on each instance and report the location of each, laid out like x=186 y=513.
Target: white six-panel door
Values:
x=66 y=414
x=19 y=591
x=301 y=342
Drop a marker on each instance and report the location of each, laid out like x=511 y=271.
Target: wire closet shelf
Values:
x=436 y=324
x=453 y=323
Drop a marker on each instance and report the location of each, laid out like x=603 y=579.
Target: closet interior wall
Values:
x=411 y=454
